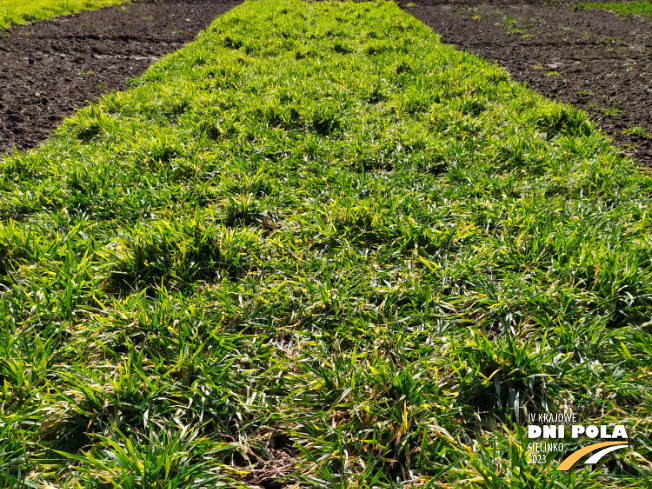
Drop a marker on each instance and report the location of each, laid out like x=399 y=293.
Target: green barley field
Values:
x=14 y=12
x=318 y=248
x=623 y=9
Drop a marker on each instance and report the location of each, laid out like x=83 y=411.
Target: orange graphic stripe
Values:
x=575 y=456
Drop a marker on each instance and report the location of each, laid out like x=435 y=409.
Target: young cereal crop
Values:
x=623 y=9
x=14 y=12
x=319 y=248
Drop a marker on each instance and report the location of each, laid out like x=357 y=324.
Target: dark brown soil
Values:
x=588 y=58
x=49 y=68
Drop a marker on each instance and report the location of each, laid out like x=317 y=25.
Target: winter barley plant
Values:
x=319 y=248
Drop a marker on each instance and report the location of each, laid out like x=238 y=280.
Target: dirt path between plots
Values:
x=588 y=58
x=50 y=68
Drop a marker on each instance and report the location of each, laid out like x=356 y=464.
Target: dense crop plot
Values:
x=318 y=247
x=624 y=9
x=14 y=12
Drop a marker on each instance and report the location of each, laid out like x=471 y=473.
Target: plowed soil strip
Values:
x=49 y=68
x=588 y=58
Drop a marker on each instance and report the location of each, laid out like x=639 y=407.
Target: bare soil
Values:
x=591 y=59
x=50 y=68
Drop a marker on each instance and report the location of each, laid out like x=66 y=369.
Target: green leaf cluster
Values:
x=318 y=248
